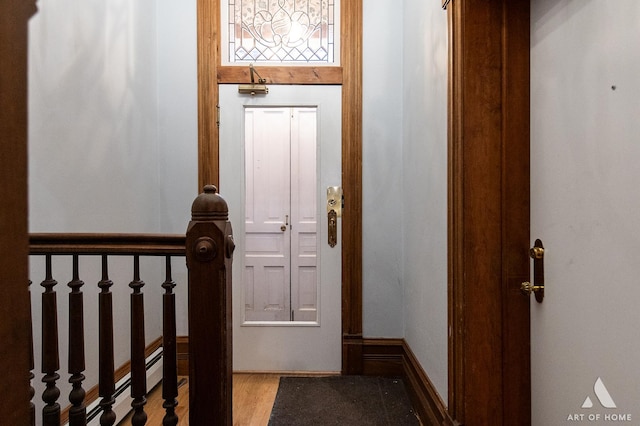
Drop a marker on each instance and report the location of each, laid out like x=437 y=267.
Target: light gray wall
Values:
x=382 y=189
x=93 y=117
x=405 y=178
x=424 y=165
x=177 y=129
x=177 y=112
x=585 y=151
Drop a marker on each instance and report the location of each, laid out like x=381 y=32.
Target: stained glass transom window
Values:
x=281 y=31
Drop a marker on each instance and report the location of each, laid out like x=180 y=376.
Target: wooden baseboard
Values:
x=182 y=355
x=380 y=357
x=394 y=357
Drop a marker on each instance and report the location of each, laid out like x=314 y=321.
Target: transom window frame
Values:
x=225 y=29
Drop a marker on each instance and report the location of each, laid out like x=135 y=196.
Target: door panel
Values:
x=304 y=215
x=267 y=201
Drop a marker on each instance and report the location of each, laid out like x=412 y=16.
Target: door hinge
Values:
x=218 y=115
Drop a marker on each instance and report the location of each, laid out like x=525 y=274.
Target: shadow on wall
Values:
x=93 y=116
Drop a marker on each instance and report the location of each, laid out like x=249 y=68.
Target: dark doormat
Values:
x=342 y=400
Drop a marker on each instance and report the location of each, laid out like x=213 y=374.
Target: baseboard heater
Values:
x=122 y=406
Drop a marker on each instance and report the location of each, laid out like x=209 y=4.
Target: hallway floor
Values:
x=253 y=398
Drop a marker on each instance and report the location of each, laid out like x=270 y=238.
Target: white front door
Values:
x=265 y=339
x=585 y=207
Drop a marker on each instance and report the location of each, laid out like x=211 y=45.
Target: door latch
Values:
x=537 y=254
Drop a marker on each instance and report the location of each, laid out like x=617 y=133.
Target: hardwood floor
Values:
x=253 y=396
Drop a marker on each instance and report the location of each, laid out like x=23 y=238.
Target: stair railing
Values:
x=208 y=249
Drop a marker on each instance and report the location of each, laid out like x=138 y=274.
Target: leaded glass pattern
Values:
x=281 y=31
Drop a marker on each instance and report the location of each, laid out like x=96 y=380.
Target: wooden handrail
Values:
x=113 y=244
x=208 y=250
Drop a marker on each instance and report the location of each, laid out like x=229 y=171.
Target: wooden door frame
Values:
x=489 y=356
x=15 y=323
x=211 y=73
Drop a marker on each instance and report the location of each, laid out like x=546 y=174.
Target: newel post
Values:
x=209 y=252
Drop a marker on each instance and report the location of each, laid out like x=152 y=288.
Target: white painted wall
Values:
x=405 y=178
x=177 y=70
x=93 y=117
x=177 y=112
x=585 y=207
x=424 y=165
x=382 y=169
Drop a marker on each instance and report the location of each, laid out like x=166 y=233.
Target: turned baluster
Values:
x=169 y=356
x=107 y=387
x=138 y=370
x=78 y=411
x=32 y=366
x=50 y=360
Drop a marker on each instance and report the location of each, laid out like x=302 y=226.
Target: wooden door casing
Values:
x=489 y=357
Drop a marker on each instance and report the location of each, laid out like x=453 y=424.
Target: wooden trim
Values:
x=234 y=74
x=350 y=75
x=208 y=12
x=489 y=377
x=431 y=408
x=394 y=357
x=455 y=293
x=182 y=351
x=515 y=188
x=15 y=324
x=383 y=357
x=116 y=244
x=351 y=59
x=123 y=370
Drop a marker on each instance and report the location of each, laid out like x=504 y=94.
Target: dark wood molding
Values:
x=383 y=357
x=208 y=16
x=120 y=244
x=15 y=329
x=489 y=377
x=281 y=75
x=351 y=59
x=182 y=345
x=430 y=406
x=394 y=357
